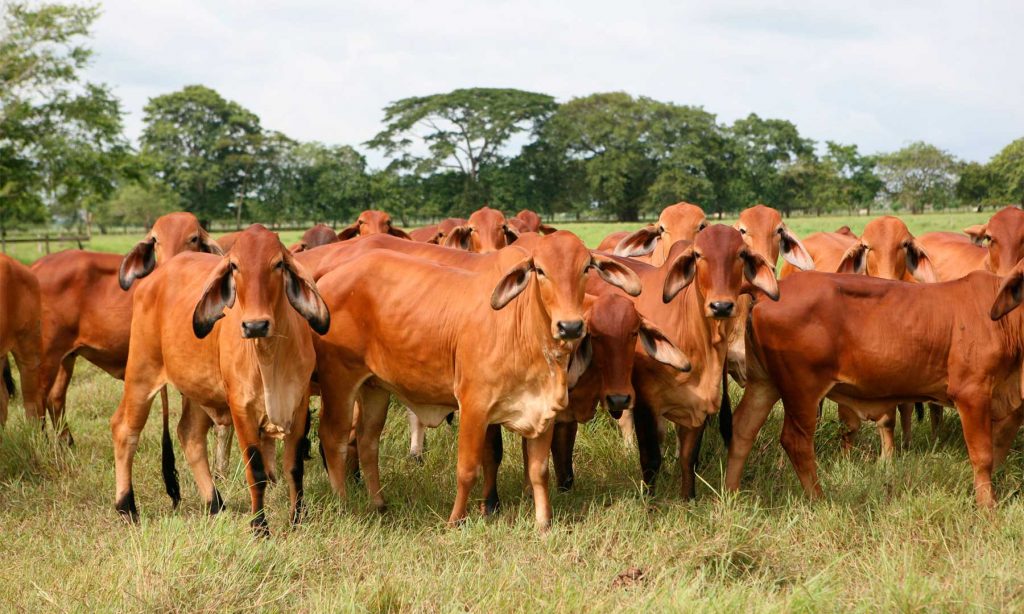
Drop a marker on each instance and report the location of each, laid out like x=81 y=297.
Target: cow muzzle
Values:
x=570 y=329
x=618 y=403
x=255 y=329
x=721 y=310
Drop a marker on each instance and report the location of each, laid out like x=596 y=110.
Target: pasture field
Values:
x=899 y=535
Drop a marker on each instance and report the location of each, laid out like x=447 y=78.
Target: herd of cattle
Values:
x=516 y=324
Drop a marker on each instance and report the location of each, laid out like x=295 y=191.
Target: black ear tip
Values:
x=321 y=325
x=124 y=282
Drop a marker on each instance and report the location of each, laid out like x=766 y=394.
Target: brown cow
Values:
x=86 y=313
x=486 y=231
x=832 y=336
x=437 y=233
x=1001 y=246
x=317 y=236
x=252 y=369
x=459 y=349
x=19 y=334
x=529 y=221
x=678 y=222
x=371 y=222
x=691 y=297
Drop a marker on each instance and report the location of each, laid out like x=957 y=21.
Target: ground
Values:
x=900 y=535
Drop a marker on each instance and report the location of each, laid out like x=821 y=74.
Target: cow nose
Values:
x=721 y=309
x=253 y=329
x=570 y=330
x=617 y=402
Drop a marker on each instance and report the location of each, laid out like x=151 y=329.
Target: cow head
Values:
x=1003 y=236
x=763 y=230
x=264 y=279
x=529 y=221
x=445 y=229
x=371 y=222
x=723 y=266
x=559 y=265
x=886 y=249
x=678 y=222
x=170 y=235
x=486 y=231
x=319 y=235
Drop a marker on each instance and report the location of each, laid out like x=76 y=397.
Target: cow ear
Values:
x=208 y=244
x=398 y=232
x=845 y=230
x=511 y=234
x=511 y=284
x=459 y=238
x=137 y=263
x=793 y=251
x=919 y=264
x=546 y=230
x=639 y=243
x=617 y=274
x=855 y=260
x=976 y=233
x=298 y=247
x=660 y=348
x=680 y=274
x=302 y=293
x=579 y=362
x=218 y=295
x=349 y=232
x=760 y=274
x=1009 y=295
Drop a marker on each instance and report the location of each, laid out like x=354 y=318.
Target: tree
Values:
x=61 y=142
x=919 y=175
x=204 y=148
x=1007 y=168
x=857 y=184
x=763 y=150
x=461 y=131
x=978 y=185
x=136 y=204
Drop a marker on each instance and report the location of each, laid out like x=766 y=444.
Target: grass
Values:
x=900 y=535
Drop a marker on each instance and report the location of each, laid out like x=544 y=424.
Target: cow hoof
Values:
x=455 y=523
x=216 y=503
x=380 y=508
x=418 y=458
x=125 y=506
x=491 y=506
x=259 y=527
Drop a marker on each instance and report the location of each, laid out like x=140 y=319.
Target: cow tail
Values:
x=8 y=378
x=725 y=412
x=170 y=472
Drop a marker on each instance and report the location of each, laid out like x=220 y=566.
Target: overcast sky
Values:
x=878 y=74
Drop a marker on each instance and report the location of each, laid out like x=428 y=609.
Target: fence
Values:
x=43 y=241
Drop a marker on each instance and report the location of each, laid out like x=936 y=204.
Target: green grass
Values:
x=901 y=535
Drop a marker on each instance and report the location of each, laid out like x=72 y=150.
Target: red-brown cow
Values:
x=995 y=246
x=678 y=222
x=317 y=236
x=529 y=221
x=486 y=231
x=497 y=349
x=832 y=336
x=19 y=334
x=252 y=369
x=371 y=222
x=437 y=233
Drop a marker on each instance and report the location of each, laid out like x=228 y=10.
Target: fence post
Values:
x=46 y=239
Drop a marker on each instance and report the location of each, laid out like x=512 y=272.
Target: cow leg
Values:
x=747 y=419
x=296 y=447
x=417 y=436
x=562 y=443
x=192 y=430
x=268 y=448
x=222 y=453
x=255 y=472
x=336 y=400
x=625 y=423
x=906 y=423
x=798 y=426
x=26 y=356
x=125 y=427
x=887 y=431
x=851 y=422
x=493 y=455
x=935 y=414
x=57 y=397
x=977 y=423
x=648 y=444
x=373 y=403
x=689 y=448
x=538 y=450
x=1003 y=433
x=472 y=442
x=352 y=459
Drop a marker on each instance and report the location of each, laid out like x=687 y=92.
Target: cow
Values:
x=486 y=231
x=832 y=336
x=886 y=249
x=20 y=335
x=86 y=310
x=371 y=222
x=437 y=233
x=529 y=221
x=678 y=222
x=494 y=343
x=691 y=297
x=317 y=236
x=232 y=334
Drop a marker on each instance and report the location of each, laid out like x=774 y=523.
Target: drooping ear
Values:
x=680 y=274
x=855 y=260
x=511 y=284
x=398 y=232
x=137 y=263
x=1009 y=296
x=919 y=264
x=976 y=233
x=660 y=348
x=218 y=295
x=639 y=243
x=579 y=362
x=511 y=234
x=208 y=244
x=349 y=232
x=304 y=296
x=760 y=274
x=546 y=230
x=298 y=247
x=616 y=273
x=459 y=238
x=793 y=251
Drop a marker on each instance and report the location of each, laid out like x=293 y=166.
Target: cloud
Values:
x=879 y=74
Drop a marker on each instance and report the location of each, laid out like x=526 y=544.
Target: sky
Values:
x=878 y=74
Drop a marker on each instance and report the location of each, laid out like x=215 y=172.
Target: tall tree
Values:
x=764 y=148
x=857 y=184
x=461 y=131
x=919 y=175
x=1007 y=167
x=978 y=185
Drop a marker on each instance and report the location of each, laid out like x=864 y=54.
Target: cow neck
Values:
x=704 y=340
x=277 y=366
x=530 y=330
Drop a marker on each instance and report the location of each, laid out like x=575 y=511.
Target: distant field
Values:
x=889 y=536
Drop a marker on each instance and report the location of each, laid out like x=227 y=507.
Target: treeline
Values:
x=64 y=157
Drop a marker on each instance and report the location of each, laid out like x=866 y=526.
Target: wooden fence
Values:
x=43 y=241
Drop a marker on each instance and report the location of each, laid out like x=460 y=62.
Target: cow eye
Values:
x=280 y=265
x=233 y=266
x=779 y=231
x=194 y=239
x=540 y=272
x=988 y=238
x=702 y=226
x=743 y=231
